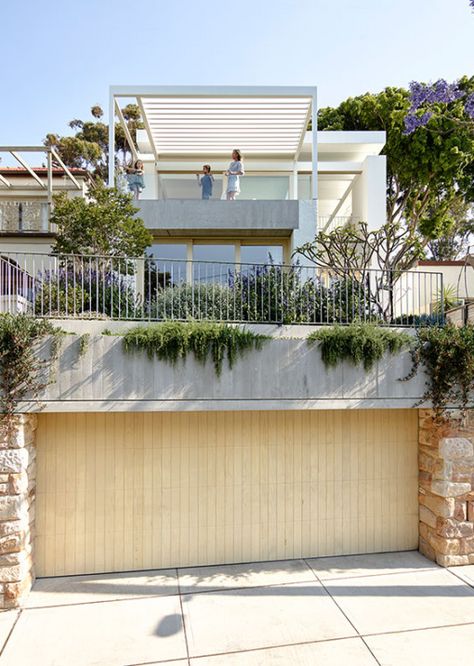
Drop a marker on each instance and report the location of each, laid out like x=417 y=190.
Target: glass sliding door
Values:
x=213 y=262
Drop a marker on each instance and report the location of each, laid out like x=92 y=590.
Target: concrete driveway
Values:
x=395 y=608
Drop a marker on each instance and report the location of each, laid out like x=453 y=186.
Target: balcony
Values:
x=242 y=218
x=27 y=191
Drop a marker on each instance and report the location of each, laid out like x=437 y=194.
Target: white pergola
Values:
x=210 y=121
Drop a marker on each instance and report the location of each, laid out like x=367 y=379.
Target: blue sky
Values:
x=59 y=57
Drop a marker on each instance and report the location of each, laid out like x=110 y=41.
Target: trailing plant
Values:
x=360 y=343
x=23 y=372
x=84 y=344
x=170 y=341
x=447 y=354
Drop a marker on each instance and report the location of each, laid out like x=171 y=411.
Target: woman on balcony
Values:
x=233 y=173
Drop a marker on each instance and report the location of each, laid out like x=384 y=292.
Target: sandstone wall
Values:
x=17 y=508
x=446 y=475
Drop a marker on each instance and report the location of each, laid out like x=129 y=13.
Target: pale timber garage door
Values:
x=131 y=491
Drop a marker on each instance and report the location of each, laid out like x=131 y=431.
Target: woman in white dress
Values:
x=233 y=173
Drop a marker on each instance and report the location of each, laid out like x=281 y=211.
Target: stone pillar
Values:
x=17 y=505
x=446 y=477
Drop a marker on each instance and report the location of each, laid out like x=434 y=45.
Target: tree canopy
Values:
x=88 y=148
x=429 y=171
x=103 y=225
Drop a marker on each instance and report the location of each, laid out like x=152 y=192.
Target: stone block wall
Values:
x=17 y=508
x=446 y=477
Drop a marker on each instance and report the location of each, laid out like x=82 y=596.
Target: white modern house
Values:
x=296 y=180
x=126 y=461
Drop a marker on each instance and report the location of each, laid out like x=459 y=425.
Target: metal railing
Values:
x=154 y=289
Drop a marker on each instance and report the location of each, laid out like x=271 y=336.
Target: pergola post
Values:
x=111 y=139
x=314 y=127
x=49 y=205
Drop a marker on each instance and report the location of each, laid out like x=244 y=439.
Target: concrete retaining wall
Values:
x=284 y=374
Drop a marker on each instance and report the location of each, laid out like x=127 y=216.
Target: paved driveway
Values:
x=395 y=608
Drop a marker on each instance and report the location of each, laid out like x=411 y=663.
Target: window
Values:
x=213 y=262
x=304 y=187
x=261 y=254
x=169 y=263
x=264 y=187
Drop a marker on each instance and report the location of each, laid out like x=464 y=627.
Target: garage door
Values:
x=147 y=490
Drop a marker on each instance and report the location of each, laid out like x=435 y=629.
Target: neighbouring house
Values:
x=26 y=196
x=127 y=462
x=458 y=285
x=430 y=283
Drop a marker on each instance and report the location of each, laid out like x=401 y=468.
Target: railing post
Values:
x=441 y=291
x=189 y=263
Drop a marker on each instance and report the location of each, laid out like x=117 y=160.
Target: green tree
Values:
x=427 y=171
x=454 y=243
x=89 y=147
x=103 y=225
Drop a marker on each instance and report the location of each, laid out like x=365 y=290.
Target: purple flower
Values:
x=469 y=105
x=412 y=122
x=439 y=92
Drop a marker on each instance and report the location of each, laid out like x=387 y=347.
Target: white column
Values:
x=314 y=126
x=111 y=140
x=237 y=253
x=189 y=259
x=369 y=192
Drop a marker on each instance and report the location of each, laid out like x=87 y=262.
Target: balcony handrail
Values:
x=154 y=289
x=122 y=257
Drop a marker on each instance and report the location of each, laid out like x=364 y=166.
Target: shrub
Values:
x=21 y=368
x=74 y=291
x=419 y=320
x=263 y=294
x=53 y=298
x=194 y=301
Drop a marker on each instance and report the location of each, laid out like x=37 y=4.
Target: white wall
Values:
x=418 y=290
x=460 y=277
x=369 y=192
x=151 y=181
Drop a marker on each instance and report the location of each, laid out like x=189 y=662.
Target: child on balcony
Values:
x=135 y=179
x=205 y=181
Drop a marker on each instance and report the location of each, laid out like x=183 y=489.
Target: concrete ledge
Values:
x=98 y=326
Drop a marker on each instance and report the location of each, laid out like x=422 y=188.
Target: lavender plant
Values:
x=74 y=291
